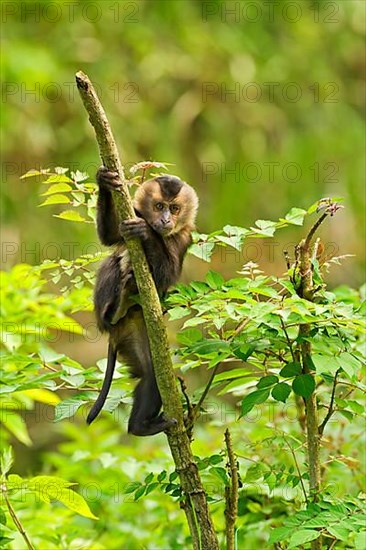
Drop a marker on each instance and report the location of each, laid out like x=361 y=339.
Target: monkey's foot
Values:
x=152 y=426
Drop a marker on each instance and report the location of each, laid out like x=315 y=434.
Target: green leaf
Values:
x=355 y=406
x=349 y=364
x=74 y=502
x=360 y=539
x=235 y=231
x=268 y=232
x=220 y=473
x=31 y=173
x=70 y=215
x=254 y=398
x=151 y=487
x=56 y=199
x=304 y=385
x=215 y=459
x=178 y=313
x=214 y=280
x=254 y=472
x=325 y=364
x=2 y=517
x=140 y=492
x=267 y=381
x=107 y=460
x=58 y=178
x=194 y=322
x=244 y=352
x=68 y=408
x=296 y=216
x=208 y=347
x=339 y=532
x=149 y=478
x=264 y=224
x=75 y=380
x=14 y=481
x=281 y=392
x=301 y=536
x=234 y=241
x=232 y=374
x=161 y=476
x=17 y=426
x=203 y=251
x=79 y=176
x=280 y=534
x=132 y=487
x=189 y=337
x=199 y=287
x=49 y=484
x=6 y=460
x=58 y=188
x=291 y=369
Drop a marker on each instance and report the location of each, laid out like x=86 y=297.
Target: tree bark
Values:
x=194 y=500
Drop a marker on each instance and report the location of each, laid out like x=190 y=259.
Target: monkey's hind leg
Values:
x=145 y=418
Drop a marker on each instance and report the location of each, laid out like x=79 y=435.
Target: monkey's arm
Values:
x=165 y=272
x=107 y=218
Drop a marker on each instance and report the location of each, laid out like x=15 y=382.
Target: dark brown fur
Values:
x=166 y=209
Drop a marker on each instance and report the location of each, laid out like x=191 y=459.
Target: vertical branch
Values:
x=231 y=494
x=15 y=518
x=306 y=290
x=194 y=497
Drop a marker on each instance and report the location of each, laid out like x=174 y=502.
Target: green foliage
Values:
x=245 y=331
x=43 y=308
x=71 y=190
x=336 y=520
x=15 y=489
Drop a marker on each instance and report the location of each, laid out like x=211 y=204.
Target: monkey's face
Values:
x=164 y=216
x=167 y=203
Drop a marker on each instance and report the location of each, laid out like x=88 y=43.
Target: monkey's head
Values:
x=168 y=204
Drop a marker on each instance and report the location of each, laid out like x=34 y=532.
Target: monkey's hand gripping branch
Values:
x=195 y=501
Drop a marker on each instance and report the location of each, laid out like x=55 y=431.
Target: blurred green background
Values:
x=259 y=105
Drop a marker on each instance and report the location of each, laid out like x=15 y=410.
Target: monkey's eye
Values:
x=159 y=206
x=174 y=208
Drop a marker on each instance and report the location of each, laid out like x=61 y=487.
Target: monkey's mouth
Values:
x=164 y=230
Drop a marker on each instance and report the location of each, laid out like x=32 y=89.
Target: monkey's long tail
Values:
x=98 y=405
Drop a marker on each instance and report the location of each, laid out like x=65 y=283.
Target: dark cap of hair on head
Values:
x=169 y=185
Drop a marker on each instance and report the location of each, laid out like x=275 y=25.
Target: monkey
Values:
x=165 y=209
